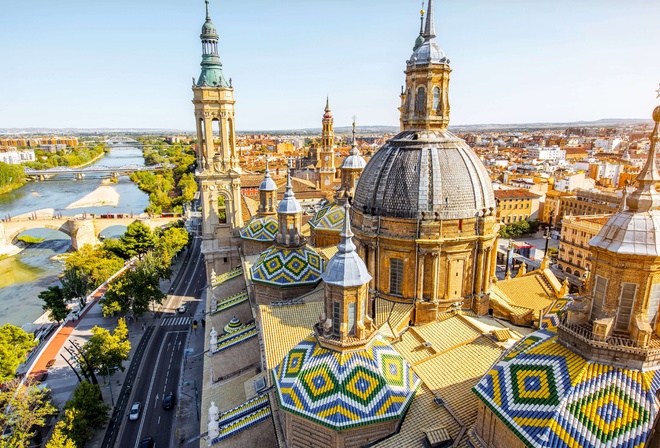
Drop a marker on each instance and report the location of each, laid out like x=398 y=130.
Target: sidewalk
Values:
x=62 y=380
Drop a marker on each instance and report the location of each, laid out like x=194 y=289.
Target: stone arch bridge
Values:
x=81 y=230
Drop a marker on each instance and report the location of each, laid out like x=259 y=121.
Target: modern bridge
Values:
x=95 y=169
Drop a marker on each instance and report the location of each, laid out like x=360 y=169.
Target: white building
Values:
x=13 y=156
x=551 y=153
x=607 y=144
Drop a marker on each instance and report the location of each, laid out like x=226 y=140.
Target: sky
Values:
x=130 y=63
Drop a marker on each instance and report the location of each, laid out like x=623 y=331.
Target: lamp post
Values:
x=112 y=399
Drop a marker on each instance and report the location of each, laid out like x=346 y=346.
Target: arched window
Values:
x=420 y=101
x=409 y=101
x=436 y=98
x=396 y=276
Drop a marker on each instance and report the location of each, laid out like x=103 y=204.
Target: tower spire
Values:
x=208 y=16
x=429 y=30
x=646 y=197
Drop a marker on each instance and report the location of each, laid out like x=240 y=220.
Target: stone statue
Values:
x=213 y=426
x=213 y=344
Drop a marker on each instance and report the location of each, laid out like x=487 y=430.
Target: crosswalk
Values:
x=176 y=321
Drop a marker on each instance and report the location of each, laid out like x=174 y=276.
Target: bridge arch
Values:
x=13 y=237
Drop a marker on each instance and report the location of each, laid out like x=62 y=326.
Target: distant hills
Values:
x=378 y=129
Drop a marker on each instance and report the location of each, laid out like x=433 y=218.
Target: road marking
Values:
x=159 y=419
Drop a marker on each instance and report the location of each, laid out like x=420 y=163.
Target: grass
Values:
x=27 y=239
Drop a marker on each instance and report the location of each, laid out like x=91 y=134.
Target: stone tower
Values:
x=425 y=99
x=327 y=154
x=218 y=167
x=424 y=208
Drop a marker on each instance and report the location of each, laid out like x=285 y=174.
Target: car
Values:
x=182 y=309
x=135 y=411
x=169 y=400
x=148 y=442
x=42 y=376
x=50 y=363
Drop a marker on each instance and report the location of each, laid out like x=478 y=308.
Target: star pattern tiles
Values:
x=552 y=397
x=344 y=390
x=288 y=267
x=329 y=217
x=260 y=228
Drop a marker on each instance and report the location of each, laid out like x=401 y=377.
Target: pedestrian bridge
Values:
x=95 y=169
x=82 y=230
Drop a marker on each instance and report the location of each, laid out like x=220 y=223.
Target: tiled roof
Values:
x=531 y=292
x=550 y=396
x=260 y=228
x=514 y=193
x=343 y=390
x=284 y=326
x=389 y=315
x=281 y=266
x=329 y=217
x=327 y=252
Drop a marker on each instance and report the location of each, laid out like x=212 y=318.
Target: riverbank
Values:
x=11 y=187
x=104 y=195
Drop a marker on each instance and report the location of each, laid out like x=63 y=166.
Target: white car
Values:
x=135 y=411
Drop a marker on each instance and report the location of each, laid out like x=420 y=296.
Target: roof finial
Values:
x=208 y=16
x=346 y=244
x=354 y=150
x=327 y=103
x=421 y=20
x=429 y=30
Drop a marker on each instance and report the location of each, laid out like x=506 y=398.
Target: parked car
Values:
x=135 y=411
x=148 y=442
x=50 y=363
x=168 y=401
x=42 y=376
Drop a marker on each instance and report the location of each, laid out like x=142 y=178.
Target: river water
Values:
x=25 y=275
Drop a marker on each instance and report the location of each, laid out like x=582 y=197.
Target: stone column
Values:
x=208 y=141
x=481 y=269
x=420 y=276
x=371 y=259
x=200 y=144
x=436 y=274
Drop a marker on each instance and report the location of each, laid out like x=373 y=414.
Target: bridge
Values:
x=95 y=169
x=82 y=230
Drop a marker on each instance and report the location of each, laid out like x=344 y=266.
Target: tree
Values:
x=84 y=413
x=76 y=284
x=137 y=288
x=14 y=346
x=24 y=409
x=106 y=352
x=97 y=263
x=55 y=303
x=138 y=239
x=59 y=439
x=171 y=241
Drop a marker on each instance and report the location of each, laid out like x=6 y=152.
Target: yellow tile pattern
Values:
x=285 y=326
x=532 y=292
x=448 y=333
x=327 y=252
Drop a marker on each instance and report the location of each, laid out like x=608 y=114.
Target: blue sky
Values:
x=129 y=63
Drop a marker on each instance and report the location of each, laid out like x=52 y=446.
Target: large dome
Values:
x=424 y=175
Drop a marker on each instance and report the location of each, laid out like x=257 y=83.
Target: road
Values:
x=159 y=369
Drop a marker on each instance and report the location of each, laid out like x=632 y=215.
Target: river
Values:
x=25 y=275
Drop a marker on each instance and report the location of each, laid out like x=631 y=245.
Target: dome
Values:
x=424 y=175
x=289 y=205
x=345 y=390
x=353 y=162
x=267 y=184
x=428 y=52
x=208 y=30
x=630 y=233
x=278 y=266
x=329 y=217
x=548 y=395
x=260 y=228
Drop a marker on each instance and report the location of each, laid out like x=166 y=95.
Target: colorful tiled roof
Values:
x=550 y=396
x=329 y=217
x=231 y=301
x=260 y=228
x=220 y=279
x=281 y=266
x=236 y=337
x=345 y=390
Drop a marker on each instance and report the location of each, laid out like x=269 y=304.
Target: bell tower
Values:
x=425 y=98
x=327 y=155
x=218 y=167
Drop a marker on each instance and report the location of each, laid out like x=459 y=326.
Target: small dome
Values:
x=353 y=162
x=267 y=184
x=209 y=31
x=424 y=175
x=428 y=52
x=289 y=205
x=329 y=217
x=631 y=233
x=345 y=390
x=279 y=266
x=260 y=228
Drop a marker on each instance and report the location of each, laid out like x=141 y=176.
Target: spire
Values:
x=420 y=39
x=429 y=30
x=267 y=184
x=346 y=245
x=646 y=197
x=211 y=75
x=289 y=204
x=208 y=16
x=327 y=103
x=354 y=149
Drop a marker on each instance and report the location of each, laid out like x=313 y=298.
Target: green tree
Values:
x=138 y=239
x=84 y=413
x=188 y=187
x=107 y=351
x=14 y=346
x=137 y=288
x=97 y=263
x=24 y=409
x=171 y=241
x=59 y=438
x=76 y=284
x=55 y=303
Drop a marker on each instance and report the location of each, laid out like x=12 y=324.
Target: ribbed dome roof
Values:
x=424 y=175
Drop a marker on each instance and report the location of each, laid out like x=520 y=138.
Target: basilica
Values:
x=379 y=321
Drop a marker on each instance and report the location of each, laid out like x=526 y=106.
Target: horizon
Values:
x=128 y=65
